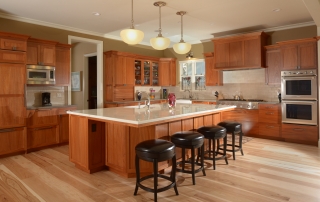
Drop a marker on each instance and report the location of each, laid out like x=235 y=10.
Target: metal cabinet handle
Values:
x=269 y=113
x=48 y=109
x=269 y=126
x=6 y=130
x=298 y=129
x=44 y=128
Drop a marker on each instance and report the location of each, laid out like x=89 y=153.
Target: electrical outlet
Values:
x=59 y=94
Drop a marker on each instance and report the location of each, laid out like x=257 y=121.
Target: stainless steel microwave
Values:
x=40 y=75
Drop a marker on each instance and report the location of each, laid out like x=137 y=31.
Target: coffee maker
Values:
x=46 y=99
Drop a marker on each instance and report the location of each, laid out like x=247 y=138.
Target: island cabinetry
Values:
x=248 y=119
x=167 y=72
x=41 y=52
x=213 y=77
x=269 y=120
x=62 y=71
x=238 y=52
x=273 y=64
x=43 y=128
x=299 y=54
x=300 y=133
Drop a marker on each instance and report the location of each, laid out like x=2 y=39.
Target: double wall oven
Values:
x=299 y=90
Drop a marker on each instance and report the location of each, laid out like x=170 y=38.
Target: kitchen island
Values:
x=106 y=138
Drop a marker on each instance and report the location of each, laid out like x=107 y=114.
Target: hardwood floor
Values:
x=268 y=171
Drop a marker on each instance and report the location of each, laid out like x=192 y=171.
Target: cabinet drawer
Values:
x=40 y=137
x=12 y=140
x=15 y=45
x=275 y=107
x=269 y=129
x=300 y=132
x=62 y=111
x=269 y=116
x=39 y=118
x=12 y=56
x=241 y=115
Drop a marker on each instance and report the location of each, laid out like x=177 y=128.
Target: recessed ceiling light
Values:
x=276 y=10
x=96 y=13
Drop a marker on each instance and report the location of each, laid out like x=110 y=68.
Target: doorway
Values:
x=92 y=82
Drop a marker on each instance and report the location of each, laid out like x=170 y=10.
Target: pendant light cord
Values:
x=160 y=35
x=132 y=26
x=181 y=28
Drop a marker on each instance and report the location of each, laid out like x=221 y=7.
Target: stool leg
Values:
x=214 y=155
x=209 y=148
x=218 y=146
x=240 y=142
x=155 y=178
x=202 y=160
x=192 y=166
x=173 y=173
x=233 y=148
x=137 y=175
x=225 y=149
x=183 y=158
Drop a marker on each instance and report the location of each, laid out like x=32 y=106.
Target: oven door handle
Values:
x=300 y=101
x=298 y=77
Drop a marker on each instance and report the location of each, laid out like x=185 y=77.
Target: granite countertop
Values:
x=156 y=113
x=49 y=107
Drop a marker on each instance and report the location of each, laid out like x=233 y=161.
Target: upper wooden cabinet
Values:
x=146 y=72
x=299 y=54
x=62 y=64
x=41 y=52
x=13 y=42
x=273 y=64
x=167 y=72
x=239 y=52
x=213 y=77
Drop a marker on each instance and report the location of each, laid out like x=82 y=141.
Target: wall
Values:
x=78 y=63
x=34 y=95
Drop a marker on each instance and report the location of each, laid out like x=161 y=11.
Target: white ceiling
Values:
x=204 y=19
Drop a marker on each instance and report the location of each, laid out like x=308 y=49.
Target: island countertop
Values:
x=136 y=116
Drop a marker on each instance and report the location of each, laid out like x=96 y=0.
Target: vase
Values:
x=171 y=100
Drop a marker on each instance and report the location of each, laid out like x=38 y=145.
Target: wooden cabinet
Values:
x=273 y=64
x=239 y=52
x=64 y=124
x=62 y=71
x=299 y=54
x=13 y=42
x=167 y=72
x=41 y=52
x=12 y=111
x=12 y=57
x=42 y=117
x=300 y=133
x=146 y=72
x=248 y=119
x=269 y=120
x=13 y=79
x=13 y=140
x=42 y=136
x=213 y=77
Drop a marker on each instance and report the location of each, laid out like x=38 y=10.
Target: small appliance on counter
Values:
x=46 y=99
x=164 y=93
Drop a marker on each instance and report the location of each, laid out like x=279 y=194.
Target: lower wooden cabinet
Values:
x=13 y=140
x=40 y=137
x=269 y=120
x=300 y=133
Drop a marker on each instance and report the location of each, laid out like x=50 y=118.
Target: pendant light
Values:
x=131 y=36
x=182 y=47
x=159 y=42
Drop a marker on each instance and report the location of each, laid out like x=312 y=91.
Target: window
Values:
x=192 y=75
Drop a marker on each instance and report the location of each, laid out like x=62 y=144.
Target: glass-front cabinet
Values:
x=146 y=73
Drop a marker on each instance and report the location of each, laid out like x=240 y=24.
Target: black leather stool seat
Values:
x=155 y=151
x=190 y=140
x=214 y=133
x=233 y=128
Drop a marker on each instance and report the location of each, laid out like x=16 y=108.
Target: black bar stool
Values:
x=233 y=128
x=215 y=133
x=155 y=151
x=190 y=140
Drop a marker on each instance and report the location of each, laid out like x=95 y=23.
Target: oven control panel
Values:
x=311 y=72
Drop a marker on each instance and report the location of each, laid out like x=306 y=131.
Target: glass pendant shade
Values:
x=131 y=36
x=160 y=43
x=182 y=47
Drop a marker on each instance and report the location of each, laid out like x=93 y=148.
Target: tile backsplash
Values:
x=58 y=95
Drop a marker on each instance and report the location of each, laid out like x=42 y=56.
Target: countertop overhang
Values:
x=158 y=113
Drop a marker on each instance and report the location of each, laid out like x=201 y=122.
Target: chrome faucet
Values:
x=147 y=103
x=190 y=93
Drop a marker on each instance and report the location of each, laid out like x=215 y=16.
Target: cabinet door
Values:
x=62 y=66
x=12 y=111
x=213 y=77
x=32 y=53
x=12 y=56
x=12 y=44
x=12 y=140
x=47 y=55
x=173 y=73
x=236 y=54
x=164 y=72
x=146 y=73
x=307 y=53
x=129 y=71
x=64 y=128
x=155 y=73
x=40 y=137
x=42 y=118
x=119 y=71
x=300 y=133
x=289 y=55
x=273 y=64
x=13 y=78
x=252 y=52
x=221 y=58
